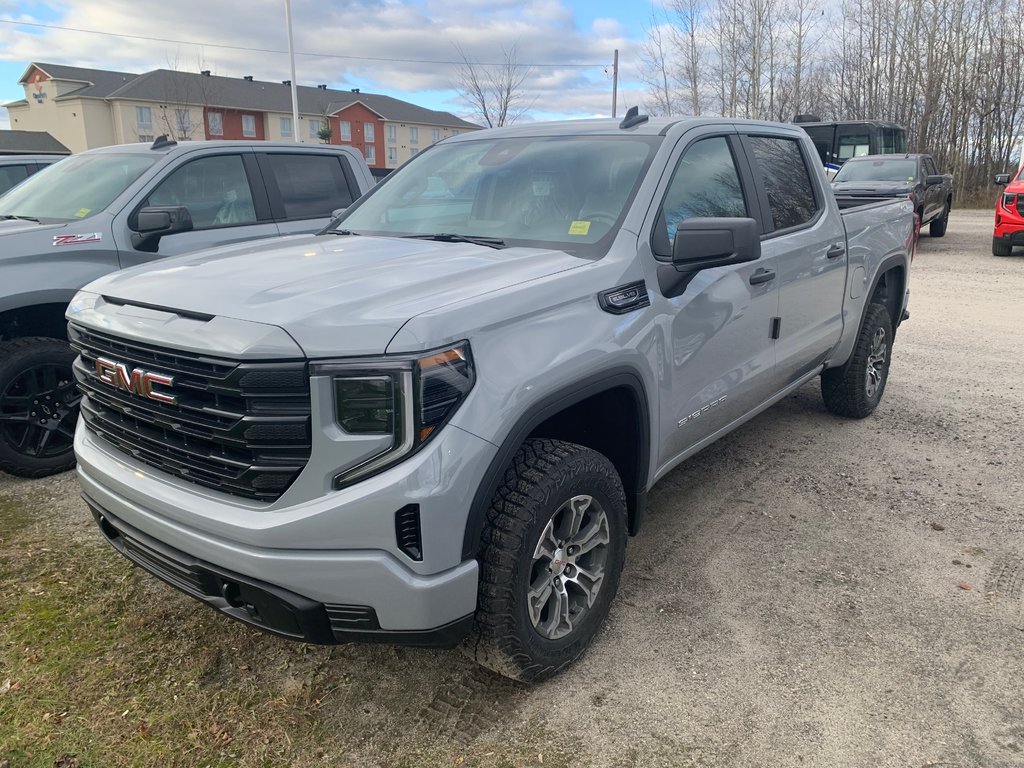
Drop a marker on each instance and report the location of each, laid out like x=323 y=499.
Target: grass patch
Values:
x=102 y=666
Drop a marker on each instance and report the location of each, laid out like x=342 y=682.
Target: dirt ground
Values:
x=809 y=591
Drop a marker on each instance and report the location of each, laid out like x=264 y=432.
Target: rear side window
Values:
x=786 y=178
x=11 y=175
x=311 y=186
x=705 y=184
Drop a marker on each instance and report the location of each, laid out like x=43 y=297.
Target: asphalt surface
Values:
x=808 y=591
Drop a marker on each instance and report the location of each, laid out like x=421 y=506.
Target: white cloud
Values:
x=543 y=31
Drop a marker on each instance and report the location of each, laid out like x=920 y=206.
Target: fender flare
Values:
x=548 y=406
x=895 y=260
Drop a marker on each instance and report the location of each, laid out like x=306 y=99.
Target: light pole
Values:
x=291 y=57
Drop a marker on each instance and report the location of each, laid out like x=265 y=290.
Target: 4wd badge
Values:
x=92 y=237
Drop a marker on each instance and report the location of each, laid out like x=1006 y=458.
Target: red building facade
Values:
x=359 y=117
x=232 y=124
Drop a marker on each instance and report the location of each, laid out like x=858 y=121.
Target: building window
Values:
x=414 y=135
x=346 y=130
x=392 y=134
x=413 y=152
x=216 y=121
x=435 y=135
x=392 y=155
x=286 y=127
x=249 y=126
x=144 y=118
x=183 y=119
x=368 y=134
x=370 y=153
x=314 y=129
x=146 y=138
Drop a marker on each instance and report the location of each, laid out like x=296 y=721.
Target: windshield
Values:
x=561 y=192
x=878 y=170
x=75 y=188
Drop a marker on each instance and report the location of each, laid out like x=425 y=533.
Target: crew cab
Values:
x=879 y=177
x=439 y=420
x=117 y=207
x=1009 y=227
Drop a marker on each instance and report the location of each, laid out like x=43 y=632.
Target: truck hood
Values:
x=335 y=295
x=881 y=188
x=19 y=226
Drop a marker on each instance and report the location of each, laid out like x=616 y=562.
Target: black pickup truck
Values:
x=870 y=178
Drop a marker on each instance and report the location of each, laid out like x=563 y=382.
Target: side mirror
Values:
x=1002 y=179
x=932 y=179
x=702 y=243
x=155 y=221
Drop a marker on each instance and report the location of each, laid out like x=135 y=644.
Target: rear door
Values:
x=225 y=196
x=305 y=187
x=12 y=175
x=804 y=237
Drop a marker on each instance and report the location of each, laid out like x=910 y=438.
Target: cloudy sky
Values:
x=342 y=42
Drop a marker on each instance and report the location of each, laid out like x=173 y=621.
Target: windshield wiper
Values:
x=22 y=218
x=340 y=232
x=449 y=237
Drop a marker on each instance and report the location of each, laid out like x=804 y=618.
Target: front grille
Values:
x=241 y=428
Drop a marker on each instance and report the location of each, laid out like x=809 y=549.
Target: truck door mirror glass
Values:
x=1002 y=178
x=701 y=243
x=155 y=221
x=932 y=179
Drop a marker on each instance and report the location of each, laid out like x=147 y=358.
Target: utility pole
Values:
x=615 y=83
x=291 y=57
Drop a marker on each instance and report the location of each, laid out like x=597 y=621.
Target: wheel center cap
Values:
x=558 y=562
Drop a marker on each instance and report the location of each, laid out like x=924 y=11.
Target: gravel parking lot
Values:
x=809 y=591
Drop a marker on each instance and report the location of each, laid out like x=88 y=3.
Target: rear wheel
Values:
x=856 y=388
x=38 y=407
x=938 y=226
x=554 y=549
x=1001 y=247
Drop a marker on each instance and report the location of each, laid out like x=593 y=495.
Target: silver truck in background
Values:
x=439 y=421
x=117 y=207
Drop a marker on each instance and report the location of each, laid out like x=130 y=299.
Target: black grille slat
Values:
x=348 y=617
x=238 y=427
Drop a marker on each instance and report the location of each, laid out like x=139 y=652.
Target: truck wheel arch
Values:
x=888 y=287
x=547 y=418
x=41 y=319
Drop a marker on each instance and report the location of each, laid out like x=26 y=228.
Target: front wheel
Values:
x=38 y=407
x=554 y=547
x=856 y=388
x=938 y=226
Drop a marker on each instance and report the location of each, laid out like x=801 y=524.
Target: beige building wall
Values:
x=411 y=138
x=274 y=133
x=162 y=120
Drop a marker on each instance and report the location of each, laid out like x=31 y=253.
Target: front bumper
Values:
x=337 y=550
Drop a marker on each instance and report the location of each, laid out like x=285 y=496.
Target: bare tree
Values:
x=185 y=89
x=655 y=54
x=496 y=93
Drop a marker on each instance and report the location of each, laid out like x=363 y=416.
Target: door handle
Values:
x=835 y=251
x=762 y=276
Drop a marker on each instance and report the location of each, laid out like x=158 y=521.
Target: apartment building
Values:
x=85 y=108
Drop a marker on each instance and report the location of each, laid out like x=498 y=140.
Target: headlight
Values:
x=82 y=301
x=404 y=399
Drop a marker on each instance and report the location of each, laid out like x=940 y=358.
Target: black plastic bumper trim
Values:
x=278 y=611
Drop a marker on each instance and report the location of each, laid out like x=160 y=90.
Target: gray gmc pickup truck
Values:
x=438 y=421
x=117 y=207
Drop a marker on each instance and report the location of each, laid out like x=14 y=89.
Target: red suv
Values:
x=1009 y=229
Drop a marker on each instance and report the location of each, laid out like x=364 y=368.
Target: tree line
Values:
x=949 y=71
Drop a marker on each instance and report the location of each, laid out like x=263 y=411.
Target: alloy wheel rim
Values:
x=568 y=567
x=877 y=356
x=38 y=410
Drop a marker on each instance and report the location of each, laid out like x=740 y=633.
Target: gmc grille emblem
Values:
x=134 y=380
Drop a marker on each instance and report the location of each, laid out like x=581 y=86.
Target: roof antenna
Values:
x=161 y=142
x=633 y=118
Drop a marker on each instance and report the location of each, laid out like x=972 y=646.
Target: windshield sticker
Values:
x=579 y=228
x=542 y=188
x=81 y=213
x=92 y=237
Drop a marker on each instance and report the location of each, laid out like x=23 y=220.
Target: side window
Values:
x=704 y=183
x=214 y=189
x=786 y=179
x=311 y=186
x=929 y=166
x=854 y=141
x=11 y=175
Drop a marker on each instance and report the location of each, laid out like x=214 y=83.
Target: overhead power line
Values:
x=37 y=25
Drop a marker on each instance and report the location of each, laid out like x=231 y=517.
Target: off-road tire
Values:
x=937 y=228
x=1001 y=247
x=543 y=476
x=845 y=390
x=16 y=358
